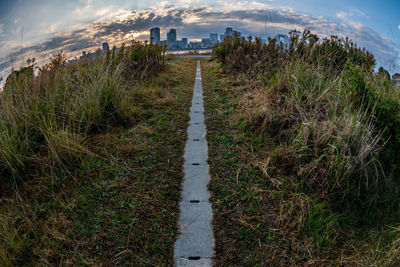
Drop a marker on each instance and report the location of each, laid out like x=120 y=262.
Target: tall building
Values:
x=171 y=37
x=195 y=45
x=155 y=35
x=228 y=32
x=182 y=44
x=239 y=34
x=221 y=37
x=105 y=48
x=214 y=38
x=206 y=43
x=185 y=42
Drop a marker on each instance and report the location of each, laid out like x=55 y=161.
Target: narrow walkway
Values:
x=195 y=245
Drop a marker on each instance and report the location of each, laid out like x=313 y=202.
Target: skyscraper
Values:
x=206 y=42
x=239 y=34
x=214 y=38
x=155 y=35
x=185 y=42
x=171 y=37
x=105 y=47
x=228 y=32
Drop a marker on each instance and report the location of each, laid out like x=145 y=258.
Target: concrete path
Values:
x=195 y=245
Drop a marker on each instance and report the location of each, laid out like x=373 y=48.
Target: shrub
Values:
x=54 y=112
x=333 y=121
x=378 y=99
x=333 y=146
x=258 y=59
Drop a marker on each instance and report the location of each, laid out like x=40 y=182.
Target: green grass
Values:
x=264 y=212
x=115 y=203
x=301 y=173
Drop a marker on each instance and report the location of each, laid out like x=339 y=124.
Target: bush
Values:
x=258 y=59
x=333 y=121
x=379 y=102
x=53 y=113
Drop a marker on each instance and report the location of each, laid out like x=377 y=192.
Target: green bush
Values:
x=379 y=104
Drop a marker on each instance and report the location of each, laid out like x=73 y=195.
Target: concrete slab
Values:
x=196 y=151
x=197 y=238
x=195 y=244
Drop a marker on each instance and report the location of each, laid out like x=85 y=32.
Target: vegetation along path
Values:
x=103 y=196
x=301 y=158
x=303 y=154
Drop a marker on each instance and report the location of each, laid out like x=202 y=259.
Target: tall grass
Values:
x=335 y=123
x=51 y=115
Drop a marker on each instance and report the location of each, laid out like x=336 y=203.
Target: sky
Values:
x=41 y=28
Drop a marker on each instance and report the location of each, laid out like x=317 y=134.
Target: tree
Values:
x=384 y=73
x=56 y=61
x=30 y=60
x=396 y=78
x=18 y=77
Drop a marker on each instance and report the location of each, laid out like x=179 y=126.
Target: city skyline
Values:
x=173 y=43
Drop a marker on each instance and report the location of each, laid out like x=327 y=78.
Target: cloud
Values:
x=346 y=15
x=398 y=27
x=49 y=29
x=2 y=28
x=195 y=23
x=342 y=15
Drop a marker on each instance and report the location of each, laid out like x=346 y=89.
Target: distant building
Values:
x=282 y=39
x=171 y=38
x=86 y=55
x=239 y=34
x=214 y=38
x=182 y=44
x=206 y=43
x=105 y=47
x=195 y=45
x=229 y=32
x=155 y=35
x=185 y=42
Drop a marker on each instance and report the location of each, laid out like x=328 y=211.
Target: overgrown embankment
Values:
x=54 y=112
x=91 y=159
x=311 y=141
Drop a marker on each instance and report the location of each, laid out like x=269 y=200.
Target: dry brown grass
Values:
x=107 y=197
x=282 y=155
